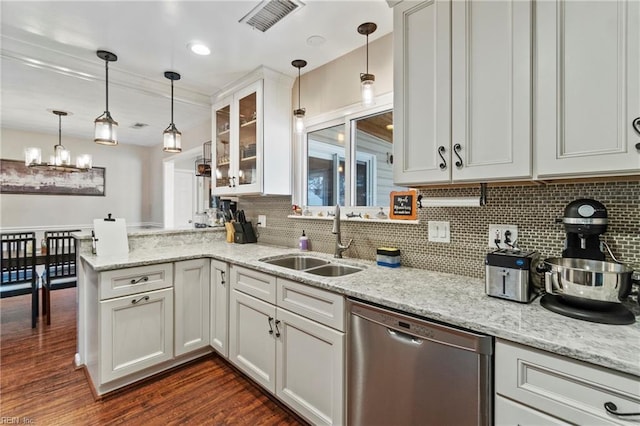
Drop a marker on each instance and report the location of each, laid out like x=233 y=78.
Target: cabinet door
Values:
x=191 y=286
x=136 y=332
x=510 y=413
x=248 y=122
x=422 y=84
x=491 y=89
x=219 y=305
x=251 y=338
x=310 y=368
x=220 y=176
x=588 y=87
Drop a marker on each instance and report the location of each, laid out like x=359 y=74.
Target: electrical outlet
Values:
x=439 y=232
x=262 y=221
x=502 y=236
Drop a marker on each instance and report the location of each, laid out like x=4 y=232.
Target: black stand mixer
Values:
x=581 y=284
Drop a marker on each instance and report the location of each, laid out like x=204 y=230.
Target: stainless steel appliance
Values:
x=509 y=274
x=408 y=371
x=581 y=284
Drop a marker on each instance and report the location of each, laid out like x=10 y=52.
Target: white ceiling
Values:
x=48 y=57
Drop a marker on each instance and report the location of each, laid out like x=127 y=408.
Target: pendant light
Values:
x=299 y=113
x=61 y=158
x=366 y=79
x=172 y=137
x=106 y=128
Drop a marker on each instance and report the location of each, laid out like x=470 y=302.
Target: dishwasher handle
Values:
x=404 y=337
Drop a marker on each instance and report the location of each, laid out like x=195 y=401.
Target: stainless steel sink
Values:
x=333 y=270
x=298 y=263
x=312 y=265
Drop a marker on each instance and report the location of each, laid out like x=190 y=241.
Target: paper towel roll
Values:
x=451 y=202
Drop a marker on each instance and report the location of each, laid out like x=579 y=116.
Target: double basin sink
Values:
x=312 y=265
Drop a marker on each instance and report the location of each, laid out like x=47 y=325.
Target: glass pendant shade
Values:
x=61 y=156
x=84 y=161
x=172 y=139
x=32 y=156
x=367 y=88
x=299 y=120
x=106 y=130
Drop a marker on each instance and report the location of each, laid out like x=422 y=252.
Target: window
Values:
x=349 y=161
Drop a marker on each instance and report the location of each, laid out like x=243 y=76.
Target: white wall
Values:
x=126 y=185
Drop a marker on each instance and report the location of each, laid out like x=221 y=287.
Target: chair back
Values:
x=60 y=233
x=60 y=261
x=18 y=257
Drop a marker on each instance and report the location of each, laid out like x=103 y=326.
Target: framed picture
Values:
x=17 y=178
x=403 y=205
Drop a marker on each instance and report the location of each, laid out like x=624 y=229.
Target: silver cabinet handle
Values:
x=222 y=282
x=613 y=409
x=277 y=329
x=270 y=326
x=136 y=301
x=139 y=280
x=456 y=150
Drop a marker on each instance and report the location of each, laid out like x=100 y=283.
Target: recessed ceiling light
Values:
x=198 y=48
x=316 y=40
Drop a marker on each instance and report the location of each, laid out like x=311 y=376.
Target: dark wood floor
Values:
x=39 y=384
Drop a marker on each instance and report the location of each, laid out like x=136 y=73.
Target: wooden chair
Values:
x=60 y=266
x=19 y=268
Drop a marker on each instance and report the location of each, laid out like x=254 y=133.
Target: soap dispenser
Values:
x=304 y=242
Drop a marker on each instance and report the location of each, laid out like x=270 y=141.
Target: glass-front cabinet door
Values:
x=238 y=120
x=247 y=124
x=222 y=120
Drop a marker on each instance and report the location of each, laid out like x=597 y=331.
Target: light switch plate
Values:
x=439 y=232
x=262 y=221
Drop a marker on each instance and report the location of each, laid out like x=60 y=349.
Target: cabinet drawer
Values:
x=319 y=305
x=124 y=282
x=254 y=283
x=568 y=389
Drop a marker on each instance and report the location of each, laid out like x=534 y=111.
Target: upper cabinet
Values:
x=462 y=91
x=252 y=134
x=587 y=87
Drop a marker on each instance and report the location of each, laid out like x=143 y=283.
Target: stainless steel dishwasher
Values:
x=408 y=371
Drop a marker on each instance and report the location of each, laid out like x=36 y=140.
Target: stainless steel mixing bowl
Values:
x=587 y=279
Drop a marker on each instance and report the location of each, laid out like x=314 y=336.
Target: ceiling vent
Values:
x=269 y=12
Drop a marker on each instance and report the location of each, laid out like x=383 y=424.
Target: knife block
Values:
x=244 y=233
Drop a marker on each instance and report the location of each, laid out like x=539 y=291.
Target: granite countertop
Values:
x=452 y=299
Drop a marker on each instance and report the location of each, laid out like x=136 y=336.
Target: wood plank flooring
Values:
x=39 y=384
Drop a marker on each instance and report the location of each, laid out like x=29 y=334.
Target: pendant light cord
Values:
x=59 y=130
x=299 y=84
x=367 y=53
x=172 y=125
x=106 y=72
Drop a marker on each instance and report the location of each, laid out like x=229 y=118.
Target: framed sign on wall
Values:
x=404 y=205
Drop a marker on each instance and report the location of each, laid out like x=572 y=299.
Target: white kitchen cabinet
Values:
x=136 y=333
x=539 y=386
x=310 y=368
x=251 y=338
x=219 y=305
x=587 y=88
x=252 y=135
x=462 y=91
x=191 y=285
x=292 y=352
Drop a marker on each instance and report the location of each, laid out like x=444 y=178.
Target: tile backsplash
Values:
x=534 y=209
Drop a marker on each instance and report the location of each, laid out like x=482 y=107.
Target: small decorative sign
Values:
x=404 y=205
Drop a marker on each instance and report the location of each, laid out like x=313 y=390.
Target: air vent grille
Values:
x=269 y=12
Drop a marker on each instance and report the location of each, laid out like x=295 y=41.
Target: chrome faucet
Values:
x=336 y=230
